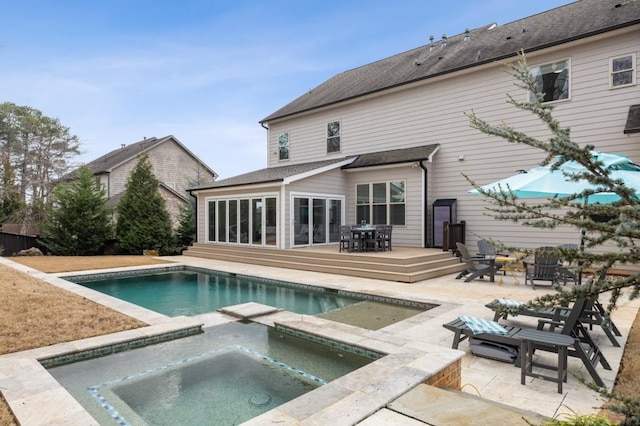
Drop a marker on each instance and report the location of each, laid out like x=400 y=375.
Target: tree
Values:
x=143 y=221
x=186 y=232
x=622 y=229
x=78 y=223
x=40 y=149
x=10 y=203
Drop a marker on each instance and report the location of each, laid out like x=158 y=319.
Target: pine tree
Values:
x=186 y=232
x=78 y=223
x=143 y=221
x=620 y=230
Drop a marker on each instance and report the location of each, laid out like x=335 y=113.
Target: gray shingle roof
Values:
x=487 y=44
x=633 y=120
x=395 y=156
x=271 y=174
x=279 y=174
x=106 y=162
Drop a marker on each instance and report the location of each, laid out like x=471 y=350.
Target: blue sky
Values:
x=206 y=71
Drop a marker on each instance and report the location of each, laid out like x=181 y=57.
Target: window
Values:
x=552 y=80
x=250 y=220
x=381 y=203
x=333 y=137
x=283 y=146
x=622 y=71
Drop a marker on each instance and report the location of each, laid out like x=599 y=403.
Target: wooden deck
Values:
x=402 y=264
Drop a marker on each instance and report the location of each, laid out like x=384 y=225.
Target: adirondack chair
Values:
x=545 y=338
x=477 y=266
x=545 y=267
x=485 y=248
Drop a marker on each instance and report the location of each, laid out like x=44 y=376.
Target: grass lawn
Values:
x=31 y=309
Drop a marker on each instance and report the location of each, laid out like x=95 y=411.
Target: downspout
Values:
x=425 y=225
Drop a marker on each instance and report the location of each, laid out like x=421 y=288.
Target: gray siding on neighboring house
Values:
x=433 y=112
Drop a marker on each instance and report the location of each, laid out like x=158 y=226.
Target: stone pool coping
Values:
x=37 y=399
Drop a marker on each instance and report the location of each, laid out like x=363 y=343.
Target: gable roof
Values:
x=107 y=162
x=581 y=19
x=282 y=173
x=273 y=174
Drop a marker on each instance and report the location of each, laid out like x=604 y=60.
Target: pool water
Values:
x=192 y=292
x=225 y=376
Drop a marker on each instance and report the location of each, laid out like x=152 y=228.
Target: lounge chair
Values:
x=544 y=338
x=593 y=314
x=476 y=266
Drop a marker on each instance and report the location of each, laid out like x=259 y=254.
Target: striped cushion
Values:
x=479 y=325
x=510 y=303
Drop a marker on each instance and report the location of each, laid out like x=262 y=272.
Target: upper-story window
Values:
x=622 y=71
x=283 y=146
x=333 y=137
x=552 y=80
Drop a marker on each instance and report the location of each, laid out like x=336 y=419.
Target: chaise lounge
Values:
x=573 y=339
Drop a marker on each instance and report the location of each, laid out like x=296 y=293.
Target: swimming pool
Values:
x=227 y=375
x=191 y=291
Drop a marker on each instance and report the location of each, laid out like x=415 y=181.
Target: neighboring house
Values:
x=386 y=141
x=174 y=166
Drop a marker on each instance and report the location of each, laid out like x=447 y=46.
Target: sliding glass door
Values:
x=316 y=220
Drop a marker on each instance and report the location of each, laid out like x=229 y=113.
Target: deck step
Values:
x=430 y=263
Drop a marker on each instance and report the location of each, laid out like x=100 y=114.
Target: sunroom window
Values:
x=622 y=71
x=552 y=80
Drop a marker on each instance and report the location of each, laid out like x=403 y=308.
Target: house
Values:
x=174 y=166
x=388 y=141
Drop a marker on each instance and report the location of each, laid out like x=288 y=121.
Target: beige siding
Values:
x=172 y=165
x=408 y=234
x=435 y=113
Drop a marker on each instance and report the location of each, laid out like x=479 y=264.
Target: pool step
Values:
x=402 y=264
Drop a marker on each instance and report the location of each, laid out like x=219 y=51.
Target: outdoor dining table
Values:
x=360 y=234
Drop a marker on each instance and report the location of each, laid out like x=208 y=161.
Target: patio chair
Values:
x=545 y=267
x=386 y=237
x=346 y=239
x=544 y=338
x=485 y=248
x=593 y=314
x=475 y=265
x=374 y=241
x=568 y=271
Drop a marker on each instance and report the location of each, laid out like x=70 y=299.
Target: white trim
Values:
x=238 y=197
x=317 y=171
x=311 y=196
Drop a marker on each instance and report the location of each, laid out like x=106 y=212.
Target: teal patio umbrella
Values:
x=546 y=182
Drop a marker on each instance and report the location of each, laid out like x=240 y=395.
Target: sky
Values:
x=207 y=71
